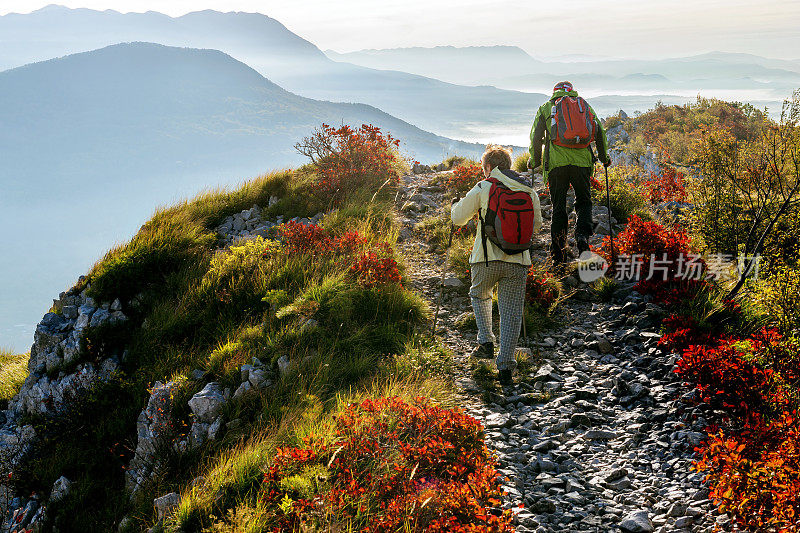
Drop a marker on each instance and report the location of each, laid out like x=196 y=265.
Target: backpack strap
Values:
x=483 y=238
x=492 y=181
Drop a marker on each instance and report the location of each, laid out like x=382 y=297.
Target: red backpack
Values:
x=509 y=220
x=572 y=123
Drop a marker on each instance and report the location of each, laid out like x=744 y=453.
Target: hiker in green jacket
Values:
x=566 y=125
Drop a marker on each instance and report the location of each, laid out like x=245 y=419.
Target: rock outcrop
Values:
x=250 y=223
x=58 y=374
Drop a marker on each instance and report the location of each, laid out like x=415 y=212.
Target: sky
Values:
x=618 y=28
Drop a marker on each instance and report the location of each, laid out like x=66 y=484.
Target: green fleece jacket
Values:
x=560 y=156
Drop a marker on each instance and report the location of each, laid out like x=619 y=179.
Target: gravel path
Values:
x=599 y=434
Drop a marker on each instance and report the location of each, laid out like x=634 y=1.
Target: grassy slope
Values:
x=13 y=371
x=204 y=309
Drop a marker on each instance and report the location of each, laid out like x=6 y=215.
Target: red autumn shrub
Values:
x=753 y=466
x=752 y=378
x=392 y=466
x=350 y=161
x=302 y=238
x=349 y=243
x=310 y=238
x=659 y=258
x=668 y=186
x=754 y=474
x=464 y=177
x=541 y=289
x=376 y=266
x=681 y=332
x=726 y=381
x=595 y=184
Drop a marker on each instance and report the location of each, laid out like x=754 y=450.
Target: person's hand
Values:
x=607 y=163
x=530 y=163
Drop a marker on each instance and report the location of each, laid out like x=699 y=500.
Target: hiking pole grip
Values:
x=610 y=226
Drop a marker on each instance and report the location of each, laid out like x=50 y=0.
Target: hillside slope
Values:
x=230 y=326
x=108 y=135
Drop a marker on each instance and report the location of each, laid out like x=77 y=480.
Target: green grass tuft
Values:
x=13 y=371
x=454 y=161
x=521 y=163
x=605 y=289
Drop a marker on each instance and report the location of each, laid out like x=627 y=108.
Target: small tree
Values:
x=350 y=161
x=762 y=176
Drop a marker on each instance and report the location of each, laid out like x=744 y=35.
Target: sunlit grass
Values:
x=13 y=371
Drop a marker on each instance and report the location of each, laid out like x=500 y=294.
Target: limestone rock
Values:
x=207 y=403
x=60 y=489
x=637 y=522
x=166 y=505
x=242 y=389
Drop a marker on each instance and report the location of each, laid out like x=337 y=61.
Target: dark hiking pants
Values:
x=559 y=180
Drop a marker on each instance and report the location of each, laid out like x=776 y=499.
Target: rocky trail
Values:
x=596 y=436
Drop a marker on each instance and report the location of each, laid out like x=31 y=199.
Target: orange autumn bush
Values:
x=391 y=466
x=754 y=474
x=464 y=177
x=376 y=266
x=677 y=274
x=752 y=464
x=350 y=161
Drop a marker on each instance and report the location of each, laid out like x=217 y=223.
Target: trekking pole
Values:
x=610 y=227
x=524 y=297
x=441 y=279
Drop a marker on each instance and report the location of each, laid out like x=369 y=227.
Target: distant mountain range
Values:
x=92 y=142
x=470 y=109
x=153 y=105
x=280 y=55
x=757 y=79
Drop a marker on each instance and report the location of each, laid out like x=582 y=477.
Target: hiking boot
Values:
x=583 y=245
x=484 y=351
x=506 y=377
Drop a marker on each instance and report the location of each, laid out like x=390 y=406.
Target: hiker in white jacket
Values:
x=490 y=266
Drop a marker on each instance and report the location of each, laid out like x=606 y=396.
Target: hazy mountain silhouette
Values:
x=757 y=78
x=91 y=142
x=468 y=65
x=266 y=45
x=55 y=31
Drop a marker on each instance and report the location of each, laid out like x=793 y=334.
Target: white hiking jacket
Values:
x=478 y=198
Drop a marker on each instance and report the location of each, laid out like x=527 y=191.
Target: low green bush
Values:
x=453 y=161
x=626 y=194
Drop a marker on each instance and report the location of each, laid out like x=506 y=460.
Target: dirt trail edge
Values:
x=599 y=434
